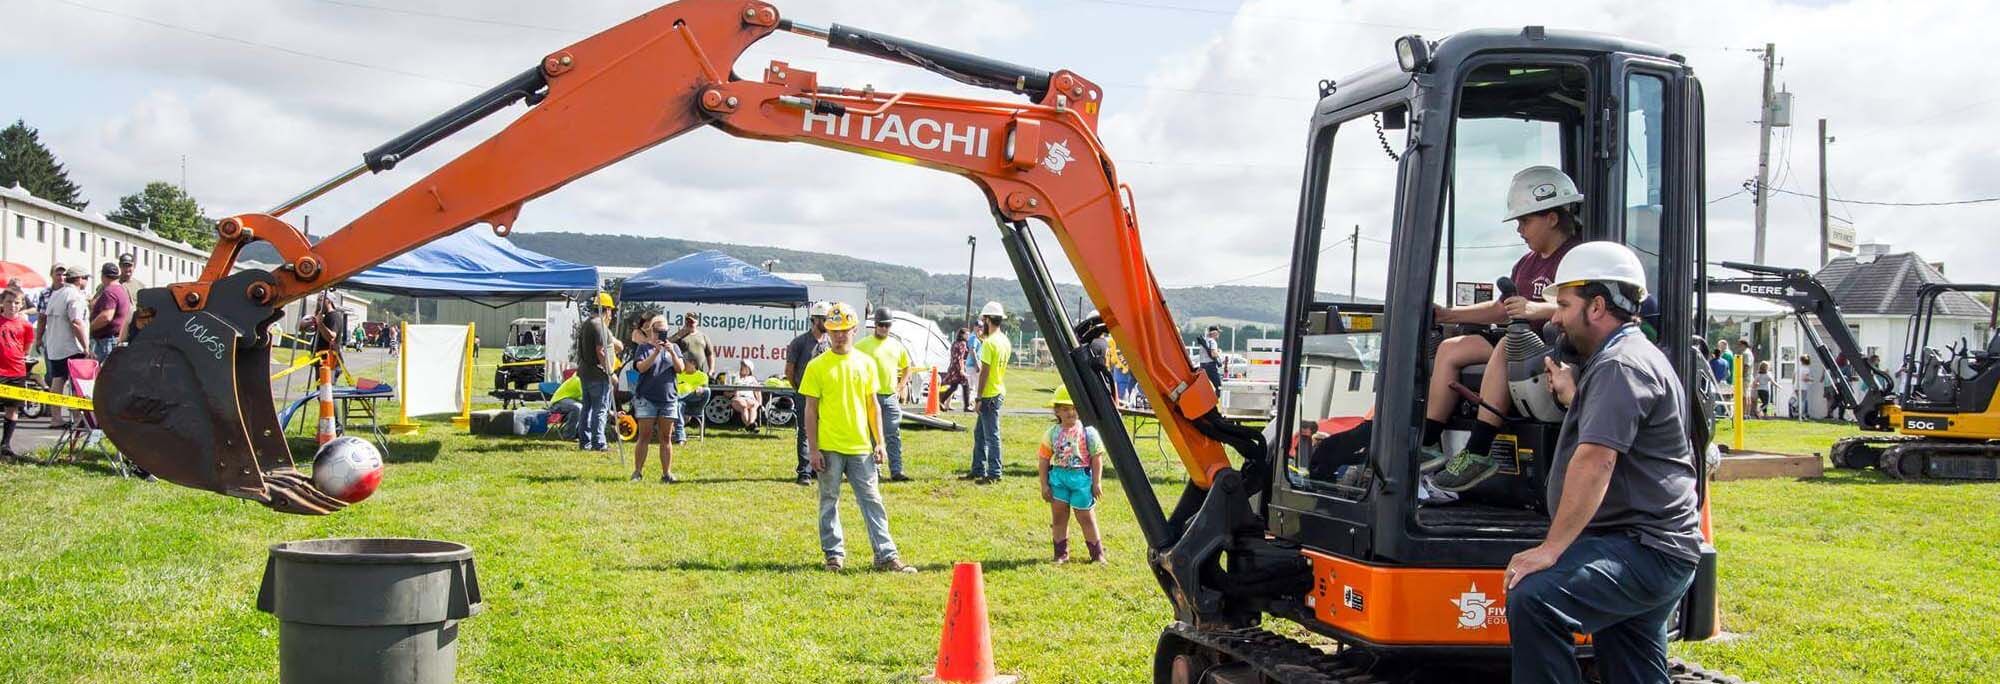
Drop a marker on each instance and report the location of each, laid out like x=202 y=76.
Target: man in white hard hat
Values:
x=1542 y=203
x=798 y=353
x=1624 y=534
x=990 y=387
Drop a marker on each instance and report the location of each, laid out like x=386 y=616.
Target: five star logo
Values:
x=1476 y=611
x=1058 y=157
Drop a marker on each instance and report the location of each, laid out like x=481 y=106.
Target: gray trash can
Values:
x=369 y=610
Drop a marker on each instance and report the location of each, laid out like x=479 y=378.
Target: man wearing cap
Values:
x=801 y=351
x=894 y=363
x=694 y=347
x=594 y=354
x=66 y=333
x=110 y=310
x=1624 y=531
x=41 y=301
x=994 y=351
x=1211 y=356
x=126 y=265
x=329 y=326
x=1542 y=203
x=843 y=428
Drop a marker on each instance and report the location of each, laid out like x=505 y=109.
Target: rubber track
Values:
x=1921 y=447
x=1288 y=661
x=1883 y=442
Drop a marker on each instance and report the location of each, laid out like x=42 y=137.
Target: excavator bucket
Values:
x=189 y=399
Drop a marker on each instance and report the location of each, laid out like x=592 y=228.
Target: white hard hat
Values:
x=820 y=309
x=1539 y=188
x=992 y=309
x=1603 y=262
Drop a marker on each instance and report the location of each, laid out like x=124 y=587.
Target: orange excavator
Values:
x=1394 y=580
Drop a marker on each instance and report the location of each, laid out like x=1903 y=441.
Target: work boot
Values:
x=895 y=565
x=1465 y=470
x=1431 y=458
x=835 y=563
x=1062 y=552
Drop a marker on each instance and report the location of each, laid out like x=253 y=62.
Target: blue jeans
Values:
x=892 y=430
x=101 y=347
x=1606 y=585
x=596 y=413
x=694 y=406
x=986 y=438
x=804 y=468
x=860 y=473
x=1214 y=372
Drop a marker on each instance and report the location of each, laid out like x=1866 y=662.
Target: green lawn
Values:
x=590 y=578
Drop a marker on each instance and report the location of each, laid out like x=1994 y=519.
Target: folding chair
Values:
x=83 y=431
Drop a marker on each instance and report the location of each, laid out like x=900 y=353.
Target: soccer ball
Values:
x=347 y=468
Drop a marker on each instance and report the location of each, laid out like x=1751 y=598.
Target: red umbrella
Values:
x=28 y=277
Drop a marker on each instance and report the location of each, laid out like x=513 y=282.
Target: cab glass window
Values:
x=1511 y=116
x=1645 y=165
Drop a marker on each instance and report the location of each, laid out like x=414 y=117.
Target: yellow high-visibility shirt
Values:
x=890 y=357
x=845 y=386
x=994 y=351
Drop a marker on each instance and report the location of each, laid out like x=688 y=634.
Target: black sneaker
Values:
x=1466 y=470
x=1431 y=458
x=899 y=477
x=803 y=481
x=669 y=479
x=972 y=477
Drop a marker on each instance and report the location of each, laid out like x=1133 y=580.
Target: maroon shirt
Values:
x=113 y=298
x=15 y=336
x=1535 y=272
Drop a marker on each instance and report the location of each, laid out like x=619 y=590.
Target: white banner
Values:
x=434 y=369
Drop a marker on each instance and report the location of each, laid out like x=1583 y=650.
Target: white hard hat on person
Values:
x=1539 y=188
x=1601 y=261
x=992 y=309
x=820 y=309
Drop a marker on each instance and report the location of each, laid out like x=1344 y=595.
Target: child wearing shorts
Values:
x=1072 y=470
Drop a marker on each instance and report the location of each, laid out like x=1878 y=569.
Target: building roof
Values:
x=1886 y=285
x=20 y=194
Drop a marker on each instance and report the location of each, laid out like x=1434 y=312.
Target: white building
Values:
x=37 y=233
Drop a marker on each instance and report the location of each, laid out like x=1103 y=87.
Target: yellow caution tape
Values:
x=299 y=364
x=49 y=398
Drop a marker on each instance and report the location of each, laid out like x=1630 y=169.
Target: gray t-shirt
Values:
x=1630 y=400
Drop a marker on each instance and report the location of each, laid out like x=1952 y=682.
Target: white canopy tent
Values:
x=1735 y=308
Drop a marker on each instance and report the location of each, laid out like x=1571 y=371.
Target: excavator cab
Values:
x=1408 y=166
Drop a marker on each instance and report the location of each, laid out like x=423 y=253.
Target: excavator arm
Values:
x=1802 y=292
x=190 y=401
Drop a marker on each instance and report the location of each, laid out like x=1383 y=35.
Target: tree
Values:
x=25 y=161
x=168 y=212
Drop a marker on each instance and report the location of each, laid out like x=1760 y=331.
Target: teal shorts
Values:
x=1072 y=486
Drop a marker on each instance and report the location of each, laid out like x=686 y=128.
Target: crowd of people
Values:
x=67 y=321
x=1811 y=382
x=848 y=382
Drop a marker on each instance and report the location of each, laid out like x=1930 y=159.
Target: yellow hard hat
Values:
x=604 y=300
x=1061 y=398
x=840 y=316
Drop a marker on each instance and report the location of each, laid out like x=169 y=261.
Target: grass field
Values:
x=590 y=578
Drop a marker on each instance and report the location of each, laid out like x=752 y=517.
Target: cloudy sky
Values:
x=1205 y=111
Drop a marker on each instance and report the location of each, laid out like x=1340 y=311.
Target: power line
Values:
x=267 y=46
x=1947 y=203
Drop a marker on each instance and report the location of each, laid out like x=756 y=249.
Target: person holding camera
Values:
x=656 y=359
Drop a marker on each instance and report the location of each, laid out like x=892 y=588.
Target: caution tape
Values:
x=41 y=397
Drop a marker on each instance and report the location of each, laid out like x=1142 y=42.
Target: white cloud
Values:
x=1216 y=174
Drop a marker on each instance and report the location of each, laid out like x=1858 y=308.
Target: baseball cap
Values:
x=109 y=269
x=126 y=258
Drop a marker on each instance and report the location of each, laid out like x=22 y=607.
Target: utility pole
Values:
x=1353 y=261
x=1764 y=148
x=971 y=241
x=1823 y=235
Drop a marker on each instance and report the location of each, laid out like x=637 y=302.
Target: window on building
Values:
x=65 y=237
x=21 y=227
x=41 y=231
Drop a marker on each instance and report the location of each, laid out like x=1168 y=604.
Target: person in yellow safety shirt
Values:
x=692 y=386
x=893 y=362
x=994 y=351
x=843 y=423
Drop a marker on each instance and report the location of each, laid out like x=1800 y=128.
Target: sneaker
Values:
x=972 y=477
x=635 y=477
x=835 y=564
x=1431 y=458
x=669 y=479
x=899 y=477
x=895 y=565
x=1465 y=470
x=803 y=481
x=987 y=480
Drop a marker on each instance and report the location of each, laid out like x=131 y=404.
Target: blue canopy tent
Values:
x=711 y=277
x=475 y=264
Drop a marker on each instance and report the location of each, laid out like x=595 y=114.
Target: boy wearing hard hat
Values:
x=1542 y=204
x=1624 y=522
x=994 y=351
x=843 y=424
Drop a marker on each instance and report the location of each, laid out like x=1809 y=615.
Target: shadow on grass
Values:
x=90 y=461
x=560 y=479
x=303 y=449
x=995 y=565
x=1872 y=477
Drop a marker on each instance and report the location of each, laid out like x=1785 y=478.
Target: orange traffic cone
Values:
x=965 y=653
x=931 y=402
